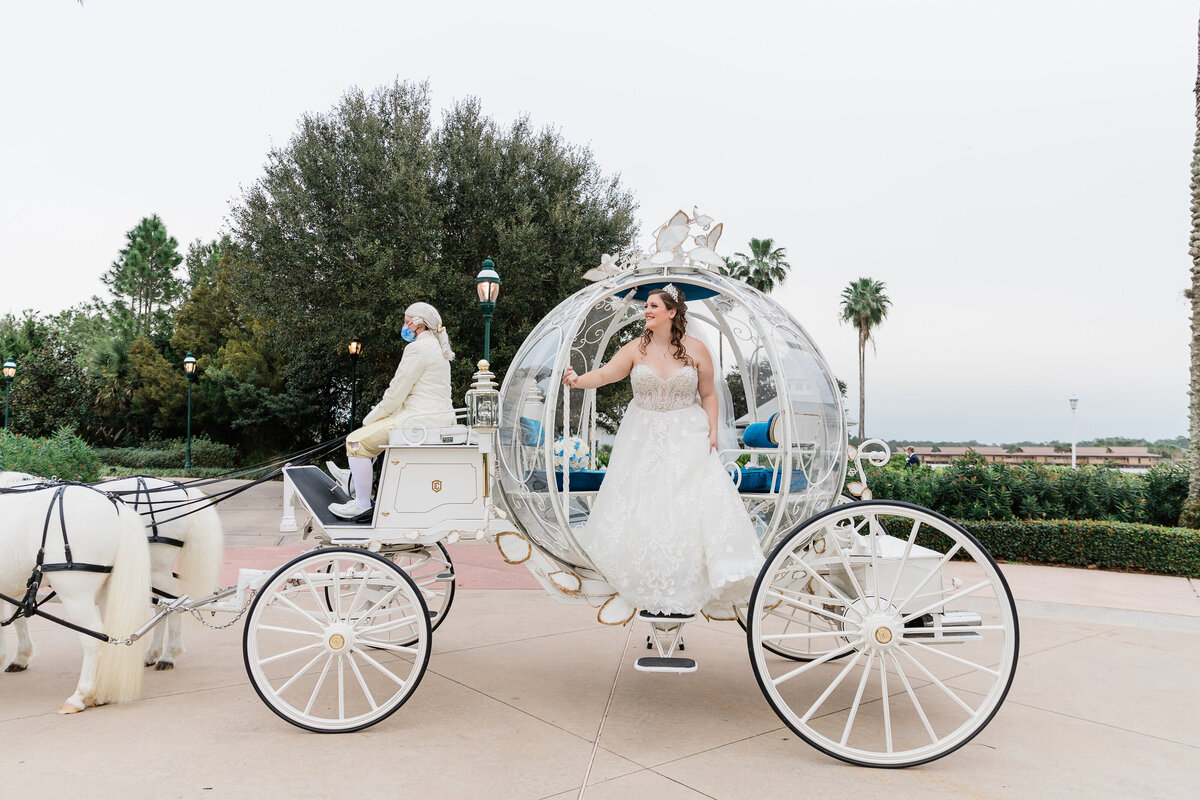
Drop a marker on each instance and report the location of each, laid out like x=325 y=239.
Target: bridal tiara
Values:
x=671 y=290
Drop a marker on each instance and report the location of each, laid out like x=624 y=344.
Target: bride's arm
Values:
x=706 y=387
x=616 y=369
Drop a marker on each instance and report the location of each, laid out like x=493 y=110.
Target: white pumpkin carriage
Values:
x=880 y=632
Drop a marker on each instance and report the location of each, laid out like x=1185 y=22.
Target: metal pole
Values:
x=487 y=335
x=7 y=384
x=187 y=464
x=353 y=391
x=1073 y=438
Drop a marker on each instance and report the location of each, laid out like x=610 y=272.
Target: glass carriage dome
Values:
x=785 y=447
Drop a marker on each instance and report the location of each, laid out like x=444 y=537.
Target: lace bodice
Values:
x=655 y=394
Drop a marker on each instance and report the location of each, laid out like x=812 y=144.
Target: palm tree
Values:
x=1191 y=507
x=765 y=268
x=864 y=305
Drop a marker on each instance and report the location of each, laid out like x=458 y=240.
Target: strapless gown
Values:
x=667 y=528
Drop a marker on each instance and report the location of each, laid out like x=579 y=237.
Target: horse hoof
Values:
x=16 y=668
x=163 y=665
x=67 y=708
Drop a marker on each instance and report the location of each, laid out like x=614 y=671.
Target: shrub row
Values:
x=973 y=489
x=170 y=455
x=1080 y=543
x=63 y=455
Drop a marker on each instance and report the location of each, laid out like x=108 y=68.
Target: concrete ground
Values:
x=528 y=698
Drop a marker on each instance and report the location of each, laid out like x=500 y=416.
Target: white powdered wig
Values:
x=428 y=316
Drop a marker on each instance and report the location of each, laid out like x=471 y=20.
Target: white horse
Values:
x=199 y=552
x=100 y=533
x=181 y=524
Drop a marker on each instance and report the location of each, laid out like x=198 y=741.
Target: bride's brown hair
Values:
x=674 y=303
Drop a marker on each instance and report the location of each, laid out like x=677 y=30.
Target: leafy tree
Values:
x=369 y=208
x=203 y=260
x=51 y=390
x=159 y=396
x=864 y=305
x=764 y=268
x=143 y=277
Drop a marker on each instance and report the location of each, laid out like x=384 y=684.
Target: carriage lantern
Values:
x=189 y=368
x=483 y=400
x=355 y=348
x=10 y=372
x=487 y=286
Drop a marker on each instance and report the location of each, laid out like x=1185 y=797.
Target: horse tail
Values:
x=203 y=548
x=126 y=608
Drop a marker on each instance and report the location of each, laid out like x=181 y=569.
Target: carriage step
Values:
x=446 y=576
x=657 y=664
x=661 y=620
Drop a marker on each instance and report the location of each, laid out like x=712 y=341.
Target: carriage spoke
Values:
x=314 y=634
x=841 y=551
x=913 y=696
x=775 y=637
x=378 y=604
x=873 y=543
x=939 y=684
x=312 y=698
x=362 y=683
x=832 y=686
x=862 y=684
x=814 y=663
x=937 y=570
x=291 y=606
x=836 y=592
x=795 y=603
x=908 y=545
x=300 y=672
x=278 y=656
x=400 y=681
x=395 y=648
x=887 y=708
x=943 y=601
x=390 y=625
x=952 y=657
x=336 y=573
x=362 y=584
x=320 y=603
x=341 y=688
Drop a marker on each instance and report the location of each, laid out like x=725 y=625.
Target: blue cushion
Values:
x=582 y=480
x=761 y=434
x=758 y=480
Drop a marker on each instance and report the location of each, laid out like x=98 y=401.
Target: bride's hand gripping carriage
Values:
x=879 y=632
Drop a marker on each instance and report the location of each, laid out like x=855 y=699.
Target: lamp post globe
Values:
x=189 y=369
x=487 y=287
x=10 y=372
x=355 y=347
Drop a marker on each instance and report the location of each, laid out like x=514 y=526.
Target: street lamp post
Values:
x=10 y=372
x=1074 y=401
x=189 y=368
x=487 y=286
x=355 y=348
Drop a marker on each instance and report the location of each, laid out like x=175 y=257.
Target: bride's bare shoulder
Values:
x=695 y=347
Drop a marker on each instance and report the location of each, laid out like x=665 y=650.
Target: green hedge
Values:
x=971 y=488
x=63 y=455
x=171 y=455
x=1080 y=543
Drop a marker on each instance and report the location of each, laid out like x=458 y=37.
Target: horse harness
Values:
x=29 y=605
x=155 y=537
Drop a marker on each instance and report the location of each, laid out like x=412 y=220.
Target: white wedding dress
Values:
x=668 y=529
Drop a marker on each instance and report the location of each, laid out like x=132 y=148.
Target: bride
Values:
x=667 y=528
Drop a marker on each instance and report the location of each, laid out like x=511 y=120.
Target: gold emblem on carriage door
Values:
x=437 y=486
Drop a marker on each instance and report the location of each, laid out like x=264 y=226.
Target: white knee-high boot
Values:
x=360 y=471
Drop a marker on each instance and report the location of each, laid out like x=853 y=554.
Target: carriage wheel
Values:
x=323 y=660
x=917 y=634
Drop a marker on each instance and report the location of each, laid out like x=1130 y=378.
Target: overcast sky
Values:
x=1017 y=173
